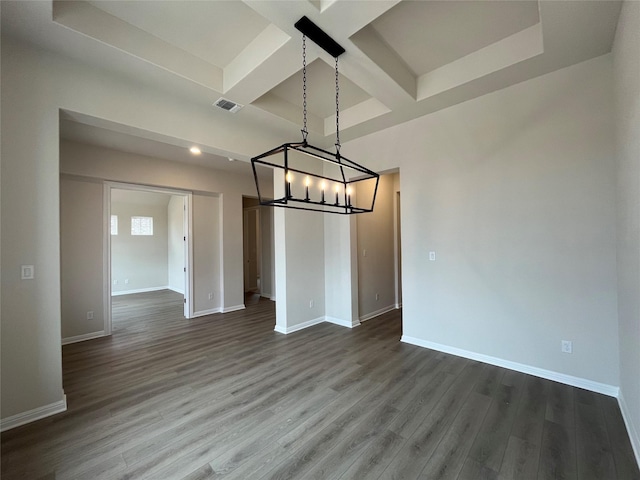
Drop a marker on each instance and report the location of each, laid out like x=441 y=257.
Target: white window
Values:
x=141 y=225
x=114 y=224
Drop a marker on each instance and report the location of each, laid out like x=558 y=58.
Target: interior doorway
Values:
x=147 y=245
x=379 y=251
x=252 y=246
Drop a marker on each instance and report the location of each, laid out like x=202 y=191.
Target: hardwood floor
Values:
x=226 y=396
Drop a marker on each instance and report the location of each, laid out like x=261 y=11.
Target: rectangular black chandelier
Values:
x=312 y=178
x=317 y=180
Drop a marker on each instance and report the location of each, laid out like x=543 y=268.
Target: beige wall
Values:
x=515 y=192
x=81 y=256
x=207 y=270
x=31 y=350
x=375 y=237
x=626 y=63
x=142 y=260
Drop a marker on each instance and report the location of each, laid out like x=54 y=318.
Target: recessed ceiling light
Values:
x=195 y=150
x=231 y=159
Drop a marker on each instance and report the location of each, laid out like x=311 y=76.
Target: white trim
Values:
x=272 y=298
x=189 y=291
x=233 y=308
x=316 y=321
x=634 y=438
x=342 y=323
x=267 y=296
x=379 y=312
x=106 y=260
x=299 y=326
x=33 y=415
x=139 y=290
x=202 y=313
x=222 y=248
x=398 y=306
x=83 y=337
x=181 y=292
x=597 y=387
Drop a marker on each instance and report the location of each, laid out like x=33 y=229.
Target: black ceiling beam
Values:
x=319 y=37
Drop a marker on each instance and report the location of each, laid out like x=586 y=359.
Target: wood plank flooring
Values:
x=224 y=396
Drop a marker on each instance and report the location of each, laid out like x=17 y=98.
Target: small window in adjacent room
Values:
x=114 y=224
x=141 y=225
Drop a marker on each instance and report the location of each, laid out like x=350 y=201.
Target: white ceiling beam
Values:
x=88 y=20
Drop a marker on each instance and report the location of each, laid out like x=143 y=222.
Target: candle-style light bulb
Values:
x=307 y=182
x=289 y=178
x=323 y=185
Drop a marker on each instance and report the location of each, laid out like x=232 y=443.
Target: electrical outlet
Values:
x=211 y=296
x=126 y=281
x=27 y=272
x=432 y=256
x=115 y=282
x=310 y=303
x=90 y=315
x=364 y=252
x=377 y=296
x=567 y=346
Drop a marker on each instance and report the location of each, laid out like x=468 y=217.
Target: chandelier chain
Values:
x=304 y=130
x=337 y=110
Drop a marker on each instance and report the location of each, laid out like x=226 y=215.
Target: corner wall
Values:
x=515 y=191
x=626 y=68
x=299 y=265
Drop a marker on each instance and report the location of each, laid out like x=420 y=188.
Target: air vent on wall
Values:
x=228 y=105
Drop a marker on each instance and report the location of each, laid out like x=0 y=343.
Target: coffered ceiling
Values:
x=403 y=59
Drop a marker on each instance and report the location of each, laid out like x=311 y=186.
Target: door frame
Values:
x=106 y=261
x=397 y=250
x=258 y=211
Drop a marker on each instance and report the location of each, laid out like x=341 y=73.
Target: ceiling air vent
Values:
x=228 y=105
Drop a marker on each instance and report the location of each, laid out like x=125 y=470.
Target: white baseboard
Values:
x=300 y=326
x=398 y=306
x=177 y=290
x=634 y=437
x=83 y=337
x=267 y=295
x=139 y=290
x=341 y=322
x=316 y=321
x=234 y=308
x=371 y=315
x=33 y=415
x=597 y=387
x=210 y=311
